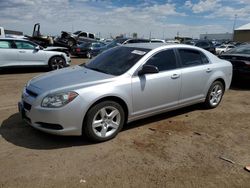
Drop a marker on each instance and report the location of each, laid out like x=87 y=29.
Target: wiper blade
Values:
x=95 y=69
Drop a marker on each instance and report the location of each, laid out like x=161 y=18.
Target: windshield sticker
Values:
x=138 y=52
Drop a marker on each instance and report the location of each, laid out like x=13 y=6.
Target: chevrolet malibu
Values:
x=123 y=84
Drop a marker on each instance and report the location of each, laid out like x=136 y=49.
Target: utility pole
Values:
x=235 y=17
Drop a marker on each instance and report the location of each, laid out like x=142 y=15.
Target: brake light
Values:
x=78 y=49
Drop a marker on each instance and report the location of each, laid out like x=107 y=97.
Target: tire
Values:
x=103 y=121
x=214 y=95
x=56 y=62
x=88 y=55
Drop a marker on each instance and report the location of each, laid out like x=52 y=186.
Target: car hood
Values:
x=67 y=79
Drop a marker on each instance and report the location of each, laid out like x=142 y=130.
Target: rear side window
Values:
x=24 y=45
x=204 y=59
x=91 y=36
x=164 y=60
x=5 y=44
x=190 y=58
x=203 y=44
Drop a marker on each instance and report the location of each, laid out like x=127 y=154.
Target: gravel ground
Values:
x=182 y=148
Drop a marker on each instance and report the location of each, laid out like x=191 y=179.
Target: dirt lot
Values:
x=176 y=149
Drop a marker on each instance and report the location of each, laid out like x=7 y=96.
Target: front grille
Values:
x=31 y=93
x=26 y=106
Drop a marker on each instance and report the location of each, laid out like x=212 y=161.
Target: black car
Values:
x=205 y=44
x=240 y=59
x=96 y=51
x=84 y=49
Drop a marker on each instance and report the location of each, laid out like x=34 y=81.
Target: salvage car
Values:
x=72 y=39
x=240 y=59
x=20 y=52
x=123 y=84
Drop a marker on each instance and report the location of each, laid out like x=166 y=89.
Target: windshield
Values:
x=77 y=32
x=82 y=45
x=116 y=61
x=244 y=49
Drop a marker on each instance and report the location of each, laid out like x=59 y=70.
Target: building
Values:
x=11 y=32
x=242 y=34
x=217 y=36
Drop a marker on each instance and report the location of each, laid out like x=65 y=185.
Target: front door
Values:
x=158 y=91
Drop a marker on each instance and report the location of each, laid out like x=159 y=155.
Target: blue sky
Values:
x=161 y=18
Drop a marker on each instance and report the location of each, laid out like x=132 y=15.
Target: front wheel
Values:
x=214 y=95
x=104 y=121
x=56 y=62
x=89 y=55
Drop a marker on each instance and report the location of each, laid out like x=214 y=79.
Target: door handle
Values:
x=21 y=51
x=175 y=76
x=209 y=70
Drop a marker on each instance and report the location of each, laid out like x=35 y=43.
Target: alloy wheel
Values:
x=106 y=121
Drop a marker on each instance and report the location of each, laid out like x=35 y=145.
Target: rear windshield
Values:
x=244 y=49
x=116 y=61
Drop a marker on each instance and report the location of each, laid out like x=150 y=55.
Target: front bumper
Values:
x=66 y=120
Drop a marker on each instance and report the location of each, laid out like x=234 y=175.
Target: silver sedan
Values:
x=123 y=84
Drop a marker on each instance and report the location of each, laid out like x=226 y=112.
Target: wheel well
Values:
x=111 y=98
x=222 y=81
x=56 y=56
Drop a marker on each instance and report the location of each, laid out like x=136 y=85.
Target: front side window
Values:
x=24 y=45
x=5 y=44
x=116 y=61
x=164 y=60
x=190 y=57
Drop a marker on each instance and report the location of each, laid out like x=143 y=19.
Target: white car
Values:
x=223 y=48
x=20 y=52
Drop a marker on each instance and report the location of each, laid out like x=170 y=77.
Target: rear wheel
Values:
x=104 y=121
x=56 y=62
x=214 y=95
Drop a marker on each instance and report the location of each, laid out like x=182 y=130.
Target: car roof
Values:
x=8 y=38
x=145 y=45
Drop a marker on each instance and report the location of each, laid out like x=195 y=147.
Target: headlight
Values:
x=58 y=99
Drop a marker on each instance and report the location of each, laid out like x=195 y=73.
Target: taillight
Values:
x=78 y=49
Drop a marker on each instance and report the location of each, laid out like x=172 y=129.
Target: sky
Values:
x=155 y=18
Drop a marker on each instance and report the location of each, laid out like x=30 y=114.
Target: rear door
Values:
x=158 y=91
x=28 y=55
x=196 y=70
x=8 y=54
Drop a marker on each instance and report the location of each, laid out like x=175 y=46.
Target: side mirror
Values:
x=37 y=48
x=148 y=69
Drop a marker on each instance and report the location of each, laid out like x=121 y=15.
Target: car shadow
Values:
x=19 y=133
x=162 y=116
x=240 y=84
x=22 y=70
